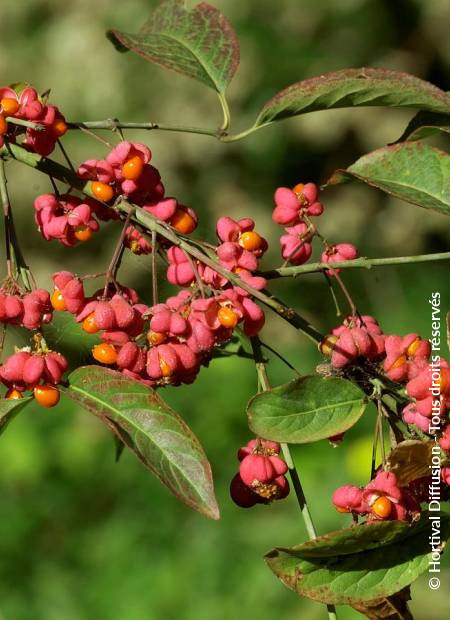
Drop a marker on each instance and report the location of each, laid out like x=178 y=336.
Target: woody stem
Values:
x=116 y=258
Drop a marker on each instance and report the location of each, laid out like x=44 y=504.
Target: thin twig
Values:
x=333 y=294
x=280 y=357
x=373 y=465
x=65 y=155
x=55 y=187
x=198 y=279
x=114 y=124
x=264 y=384
x=93 y=135
x=6 y=217
x=304 y=238
x=358 y=263
x=15 y=259
x=380 y=433
x=23 y=123
x=154 y=270
x=346 y=292
x=116 y=257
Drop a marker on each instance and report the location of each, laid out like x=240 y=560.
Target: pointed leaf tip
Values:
x=412 y=171
x=9 y=409
x=160 y=439
x=354 y=87
x=199 y=43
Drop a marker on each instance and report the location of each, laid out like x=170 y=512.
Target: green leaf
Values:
x=199 y=43
x=119 y=447
x=69 y=338
x=424 y=125
x=354 y=539
x=354 y=87
x=306 y=409
x=411 y=171
x=9 y=409
x=147 y=426
x=381 y=566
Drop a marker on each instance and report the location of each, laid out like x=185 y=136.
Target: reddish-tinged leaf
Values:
x=381 y=565
x=354 y=87
x=390 y=608
x=199 y=43
x=412 y=171
x=147 y=425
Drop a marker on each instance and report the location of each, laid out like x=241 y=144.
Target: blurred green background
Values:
x=83 y=538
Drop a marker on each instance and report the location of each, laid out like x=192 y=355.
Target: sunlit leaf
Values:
x=354 y=87
x=199 y=43
x=306 y=409
x=412 y=171
x=147 y=425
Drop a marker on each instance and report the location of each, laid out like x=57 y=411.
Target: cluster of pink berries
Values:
x=357 y=337
x=29 y=310
x=168 y=342
x=24 y=103
x=25 y=369
x=384 y=499
x=69 y=219
x=162 y=344
x=261 y=477
x=125 y=172
x=403 y=359
x=432 y=380
x=38 y=371
x=381 y=499
x=293 y=209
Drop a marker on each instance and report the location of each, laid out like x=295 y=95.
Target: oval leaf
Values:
x=372 y=573
x=199 y=43
x=155 y=433
x=9 y=409
x=306 y=409
x=354 y=87
x=414 y=172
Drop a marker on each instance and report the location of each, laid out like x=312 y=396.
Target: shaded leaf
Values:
x=9 y=409
x=373 y=573
x=410 y=460
x=199 y=43
x=354 y=539
x=155 y=433
x=390 y=608
x=119 y=447
x=306 y=409
x=354 y=87
x=411 y=171
x=424 y=125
